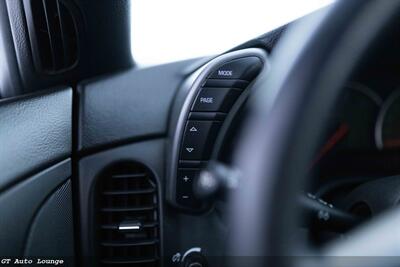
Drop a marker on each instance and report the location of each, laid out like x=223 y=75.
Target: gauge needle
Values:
x=337 y=136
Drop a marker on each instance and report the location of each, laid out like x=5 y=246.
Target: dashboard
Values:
x=141 y=137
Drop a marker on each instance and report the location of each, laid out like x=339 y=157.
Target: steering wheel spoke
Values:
x=377 y=238
x=287 y=119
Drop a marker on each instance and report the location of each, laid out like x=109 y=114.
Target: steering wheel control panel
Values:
x=199 y=117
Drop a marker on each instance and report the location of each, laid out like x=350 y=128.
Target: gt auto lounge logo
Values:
x=30 y=261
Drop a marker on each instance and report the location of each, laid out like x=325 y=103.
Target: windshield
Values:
x=165 y=31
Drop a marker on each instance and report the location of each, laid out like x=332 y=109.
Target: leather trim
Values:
x=20 y=204
x=35 y=131
x=55 y=217
x=129 y=106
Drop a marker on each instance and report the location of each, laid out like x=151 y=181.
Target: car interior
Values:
x=281 y=151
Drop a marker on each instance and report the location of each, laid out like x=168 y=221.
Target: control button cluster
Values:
x=185 y=179
x=213 y=101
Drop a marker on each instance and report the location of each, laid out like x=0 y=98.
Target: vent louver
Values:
x=127 y=217
x=53 y=35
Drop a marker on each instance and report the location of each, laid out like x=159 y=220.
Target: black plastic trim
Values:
x=207 y=116
x=239 y=84
x=192 y=163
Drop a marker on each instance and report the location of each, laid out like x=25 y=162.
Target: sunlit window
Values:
x=171 y=30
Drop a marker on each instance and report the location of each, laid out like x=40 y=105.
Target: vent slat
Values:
x=115 y=226
x=49 y=32
x=128 y=243
x=53 y=35
x=127 y=197
x=62 y=35
x=116 y=209
x=130 y=192
x=129 y=176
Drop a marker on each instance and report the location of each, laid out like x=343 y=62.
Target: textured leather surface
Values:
x=266 y=41
x=20 y=204
x=130 y=105
x=35 y=132
x=51 y=232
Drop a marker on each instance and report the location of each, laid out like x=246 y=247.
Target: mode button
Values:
x=243 y=68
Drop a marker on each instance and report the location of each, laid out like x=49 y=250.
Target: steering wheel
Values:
x=287 y=121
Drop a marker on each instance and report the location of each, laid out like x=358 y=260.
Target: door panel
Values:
x=35 y=178
x=54 y=217
x=20 y=204
x=35 y=132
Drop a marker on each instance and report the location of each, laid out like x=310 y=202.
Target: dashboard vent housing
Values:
x=53 y=35
x=127 y=216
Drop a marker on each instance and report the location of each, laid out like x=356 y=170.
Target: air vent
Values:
x=53 y=35
x=127 y=217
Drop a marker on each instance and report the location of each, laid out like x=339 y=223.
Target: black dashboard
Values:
x=360 y=152
x=364 y=134
x=143 y=175
x=128 y=147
